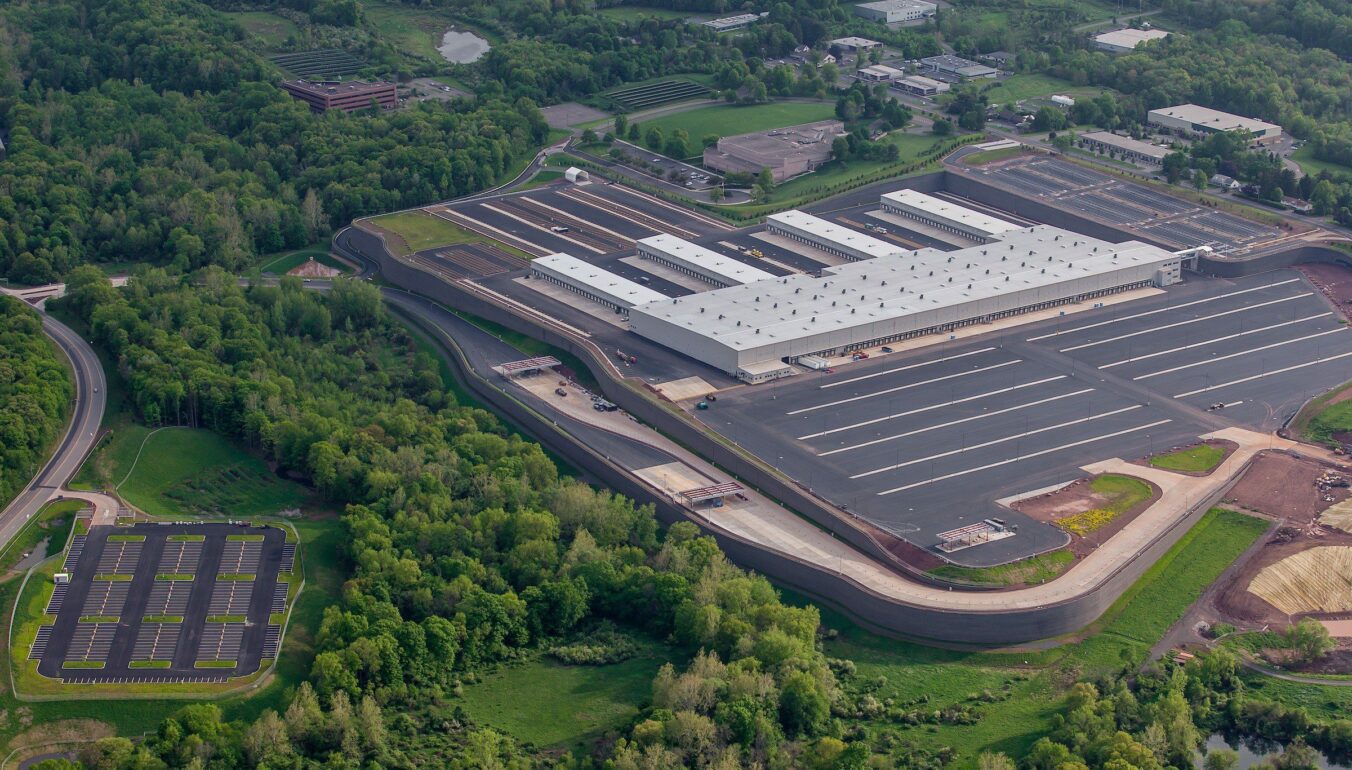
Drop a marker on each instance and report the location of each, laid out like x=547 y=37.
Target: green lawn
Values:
x=1123 y=493
x=53 y=523
x=410 y=231
x=730 y=119
x=1031 y=85
x=992 y=156
x=836 y=174
x=637 y=12
x=1199 y=459
x=1036 y=569
x=271 y=30
x=184 y=472
x=1329 y=421
x=1026 y=686
x=1312 y=165
x=549 y=704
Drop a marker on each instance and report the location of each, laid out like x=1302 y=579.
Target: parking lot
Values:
x=156 y=602
x=1119 y=203
x=898 y=439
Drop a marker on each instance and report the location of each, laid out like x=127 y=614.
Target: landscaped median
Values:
x=1196 y=460
x=170 y=576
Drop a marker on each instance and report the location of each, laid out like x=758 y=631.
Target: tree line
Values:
x=35 y=395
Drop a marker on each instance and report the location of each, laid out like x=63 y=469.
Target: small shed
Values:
x=576 y=175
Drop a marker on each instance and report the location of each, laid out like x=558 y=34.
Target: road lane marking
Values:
x=1264 y=374
x=908 y=386
x=1206 y=361
x=1187 y=322
x=905 y=368
x=1022 y=457
x=1236 y=335
x=1160 y=310
x=932 y=407
x=951 y=423
x=1001 y=440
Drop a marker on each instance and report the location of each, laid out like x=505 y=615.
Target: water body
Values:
x=1252 y=753
x=459 y=47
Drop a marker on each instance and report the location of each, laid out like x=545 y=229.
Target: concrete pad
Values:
x=800 y=248
x=673 y=478
x=680 y=390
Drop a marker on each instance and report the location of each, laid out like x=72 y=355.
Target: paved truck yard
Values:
x=899 y=438
x=166 y=603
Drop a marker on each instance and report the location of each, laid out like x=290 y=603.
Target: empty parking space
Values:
x=169 y=597
x=156 y=641
x=180 y=558
x=106 y=599
x=230 y=597
x=220 y=641
x=119 y=558
x=240 y=557
x=91 y=642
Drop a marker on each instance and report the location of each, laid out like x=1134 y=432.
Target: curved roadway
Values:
x=90 y=399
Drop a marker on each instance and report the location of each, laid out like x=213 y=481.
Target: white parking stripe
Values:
x=1187 y=322
x=541 y=228
x=1001 y=440
x=903 y=368
x=1214 y=340
x=908 y=386
x=1264 y=374
x=951 y=423
x=1206 y=361
x=932 y=407
x=1038 y=453
x=1160 y=310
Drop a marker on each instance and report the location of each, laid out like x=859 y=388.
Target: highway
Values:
x=90 y=399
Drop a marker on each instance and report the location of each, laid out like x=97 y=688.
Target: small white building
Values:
x=896 y=11
x=879 y=73
x=576 y=175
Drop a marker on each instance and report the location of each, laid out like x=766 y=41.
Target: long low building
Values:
x=744 y=330
x=1195 y=120
x=1124 y=147
x=921 y=85
x=615 y=292
x=695 y=260
x=830 y=237
x=944 y=215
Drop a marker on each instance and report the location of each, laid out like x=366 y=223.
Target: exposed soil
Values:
x=1335 y=281
x=1078 y=497
x=1228 y=447
x=1339 y=661
x=906 y=552
x=1282 y=486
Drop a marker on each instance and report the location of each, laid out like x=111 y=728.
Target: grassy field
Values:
x=410 y=231
x=638 y=12
x=1329 y=420
x=1025 y=686
x=1312 y=165
x=1036 y=569
x=991 y=156
x=836 y=174
x=730 y=119
x=415 y=31
x=271 y=30
x=183 y=472
x=569 y=705
x=1199 y=459
x=1031 y=85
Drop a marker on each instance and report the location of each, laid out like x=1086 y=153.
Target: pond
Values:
x=1253 y=752
x=460 y=47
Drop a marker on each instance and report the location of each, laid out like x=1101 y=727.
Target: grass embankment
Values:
x=1030 y=571
x=1016 y=693
x=1122 y=492
x=1202 y=458
x=1328 y=421
x=731 y=119
x=993 y=156
x=270 y=29
x=185 y=472
x=1308 y=163
x=409 y=231
x=1032 y=85
x=53 y=523
x=282 y=263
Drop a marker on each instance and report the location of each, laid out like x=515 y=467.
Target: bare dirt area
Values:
x=1078 y=497
x=1235 y=601
x=1335 y=281
x=904 y=551
x=1283 y=486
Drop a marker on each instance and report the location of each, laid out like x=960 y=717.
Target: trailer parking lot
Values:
x=899 y=438
x=1158 y=216
x=166 y=602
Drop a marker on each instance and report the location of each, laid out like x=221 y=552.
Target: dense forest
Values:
x=188 y=154
x=35 y=394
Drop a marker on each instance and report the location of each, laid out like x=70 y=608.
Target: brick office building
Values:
x=350 y=96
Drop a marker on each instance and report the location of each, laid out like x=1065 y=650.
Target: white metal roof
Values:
x=897 y=5
x=697 y=257
x=882 y=70
x=603 y=283
x=889 y=288
x=1129 y=38
x=838 y=235
x=1126 y=143
x=1215 y=119
x=944 y=211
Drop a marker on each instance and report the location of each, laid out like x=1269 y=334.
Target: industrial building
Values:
x=1123 y=40
x=613 y=291
x=349 y=96
x=1194 y=120
x=950 y=217
x=894 y=11
x=852 y=44
x=829 y=237
x=879 y=73
x=956 y=67
x=921 y=86
x=787 y=152
x=750 y=330
x=1124 y=147
x=695 y=260
x=729 y=23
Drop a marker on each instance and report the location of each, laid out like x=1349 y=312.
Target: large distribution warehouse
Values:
x=827 y=236
x=613 y=291
x=695 y=260
x=944 y=215
x=744 y=330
